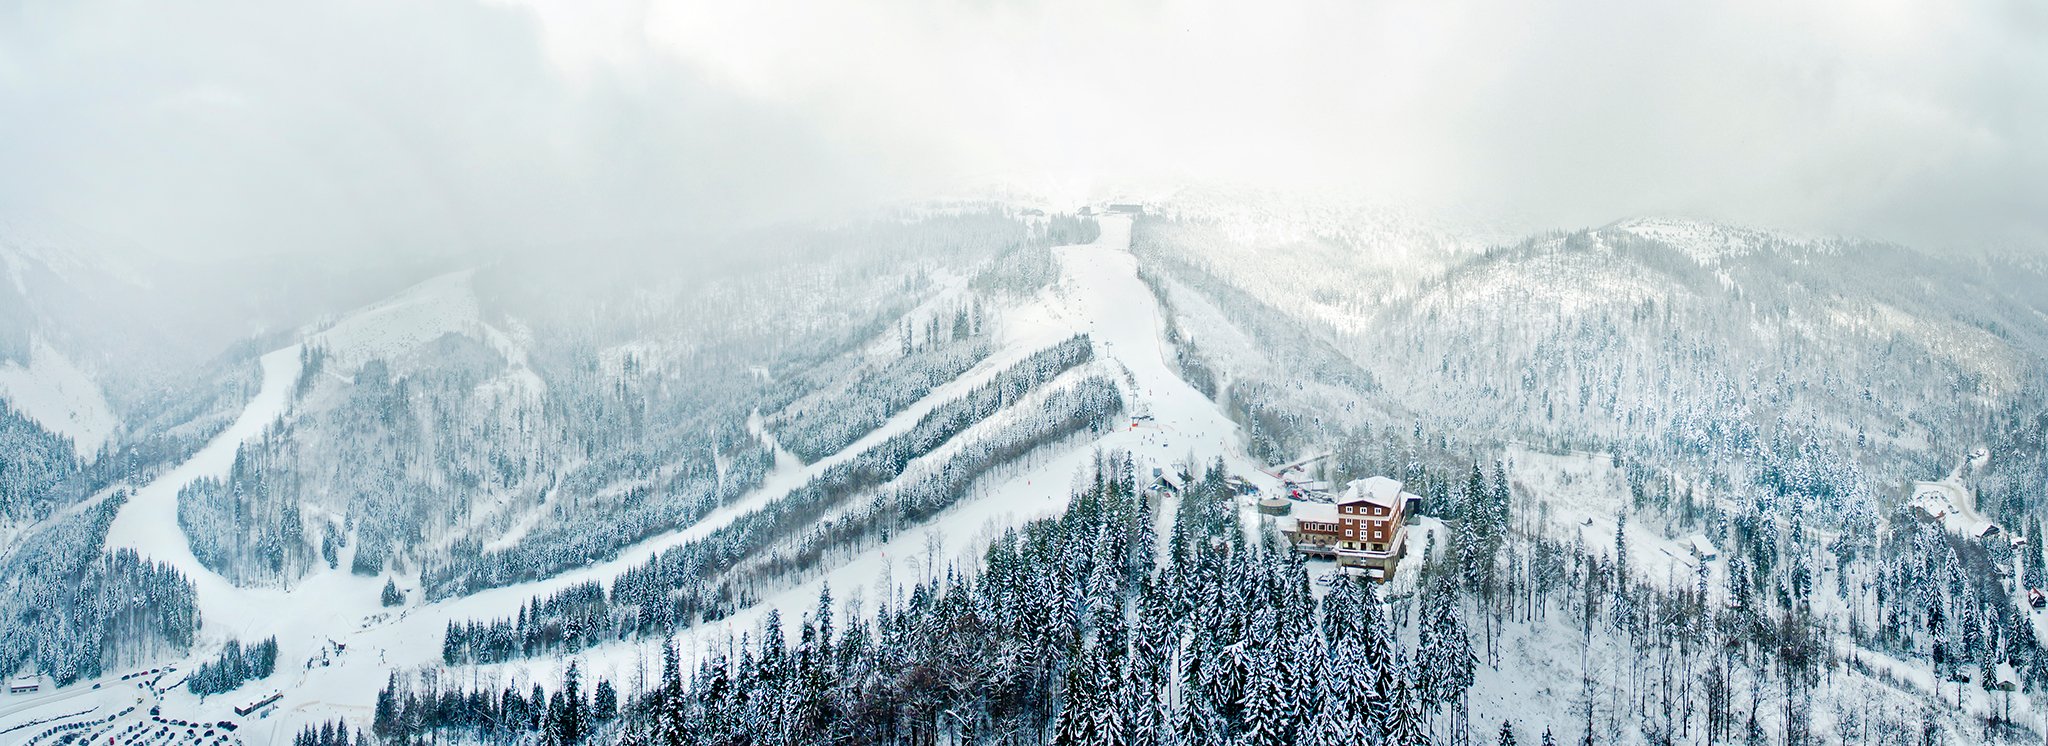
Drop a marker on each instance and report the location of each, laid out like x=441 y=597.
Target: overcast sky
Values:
x=229 y=128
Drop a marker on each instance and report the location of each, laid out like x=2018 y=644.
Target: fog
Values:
x=219 y=131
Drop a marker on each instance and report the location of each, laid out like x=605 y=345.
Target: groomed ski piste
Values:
x=337 y=646
x=332 y=616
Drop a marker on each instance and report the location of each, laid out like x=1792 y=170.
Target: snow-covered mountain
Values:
x=53 y=338
x=948 y=421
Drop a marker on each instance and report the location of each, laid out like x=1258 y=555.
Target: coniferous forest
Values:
x=1087 y=628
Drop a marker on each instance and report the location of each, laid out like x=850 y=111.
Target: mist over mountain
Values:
x=1147 y=373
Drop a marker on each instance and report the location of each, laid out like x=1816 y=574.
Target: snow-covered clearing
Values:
x=1584 y=495
x=60 y=397
x=422 y=313
x=1954 y=505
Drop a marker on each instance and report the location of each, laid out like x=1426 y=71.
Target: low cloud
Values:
x=233 y=128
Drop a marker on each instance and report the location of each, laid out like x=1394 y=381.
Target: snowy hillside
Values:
x=396 y=328
x=55 y=393
x=1098 y=295
x=1662 y=465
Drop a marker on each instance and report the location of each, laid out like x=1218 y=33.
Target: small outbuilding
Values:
x=2003 y=678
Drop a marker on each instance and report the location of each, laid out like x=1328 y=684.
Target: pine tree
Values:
x=1507 y=734
x=1621 y=554
x=568 y=721
x=1266 y=715
x=392 y=597
x=1444 y=652
x=385 y=719
x=605 y=702
x=1076 y=722
x=1404 y=723
x=668 y=703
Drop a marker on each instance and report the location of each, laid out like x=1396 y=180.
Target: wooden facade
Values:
x=1366 y=528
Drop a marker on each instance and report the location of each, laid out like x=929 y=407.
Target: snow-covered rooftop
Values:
x=1381 y=491
x=1321 y=512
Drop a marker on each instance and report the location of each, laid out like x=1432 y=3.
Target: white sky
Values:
x=237 y=126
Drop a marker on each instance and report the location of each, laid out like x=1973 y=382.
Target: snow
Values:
x=1708 y=243
x=422 y=313
x=1099 y=293
x=149 y=521
x=1314 y=512
x=60 y=397
x=1376 y=490
x=1584 y=495
x=1953 y=504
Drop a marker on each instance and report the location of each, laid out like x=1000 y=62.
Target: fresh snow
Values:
x=149 y=521
x=1099 y=293
x=420 y=314
x=60 y=397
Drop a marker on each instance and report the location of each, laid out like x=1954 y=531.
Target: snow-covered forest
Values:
x=478 y=455
x=524 y=503
x=1196 y=373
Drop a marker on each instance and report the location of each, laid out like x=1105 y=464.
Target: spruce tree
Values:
x=1404 y=722
x=385 y=718
x=1267 y=718
x=569 y=724
x=668 y=701
x=1075 y=725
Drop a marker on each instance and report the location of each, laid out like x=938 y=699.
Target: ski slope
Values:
x=1098 y=293
x=148 y=523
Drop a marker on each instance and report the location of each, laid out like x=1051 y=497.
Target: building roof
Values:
x=1382 y=491
x=1703 y=547
x=1318 y=512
